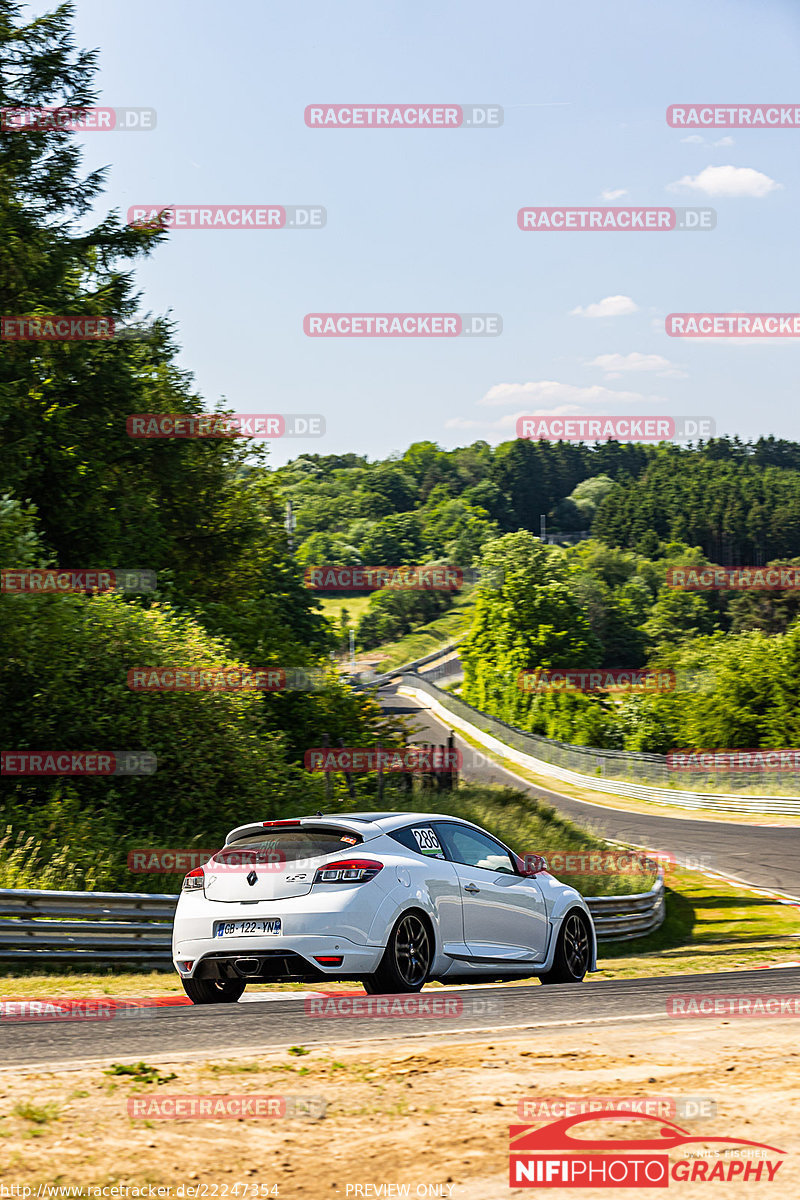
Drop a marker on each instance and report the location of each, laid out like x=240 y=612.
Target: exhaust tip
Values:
x=247 y=966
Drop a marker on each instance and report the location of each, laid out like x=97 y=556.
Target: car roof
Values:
x=382 y=822
x=393 y=820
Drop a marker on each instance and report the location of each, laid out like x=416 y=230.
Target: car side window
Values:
x=475 y=849
x=422 y=839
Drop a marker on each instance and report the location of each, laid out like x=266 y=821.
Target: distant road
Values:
x=764 y=855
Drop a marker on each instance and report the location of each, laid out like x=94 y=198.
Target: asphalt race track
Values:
x=216 y=1030
x=764 y=855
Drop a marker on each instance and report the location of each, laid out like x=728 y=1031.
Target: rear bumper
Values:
x=278 y=957
x=276 y=964
x=322 y=923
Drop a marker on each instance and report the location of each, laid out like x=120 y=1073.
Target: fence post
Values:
x=408 y=778
x=452 y=776
x=328 y=780
x=351 y=791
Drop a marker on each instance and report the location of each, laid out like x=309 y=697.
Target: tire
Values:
x=407 y=960
x=573 y=952
x=214 y=991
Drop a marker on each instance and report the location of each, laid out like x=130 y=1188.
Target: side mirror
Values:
x=531 y=864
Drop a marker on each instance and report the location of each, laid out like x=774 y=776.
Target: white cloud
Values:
x=616 y=364
x=613 y=194
x=728 y=181
x=695 y=139
x=570 y=397
x=502 y=425
x=611 y=306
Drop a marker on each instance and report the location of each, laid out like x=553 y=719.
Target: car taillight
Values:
x=194 y=880
x=348 y=870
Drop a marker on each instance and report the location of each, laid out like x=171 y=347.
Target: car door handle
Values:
x=470 y=887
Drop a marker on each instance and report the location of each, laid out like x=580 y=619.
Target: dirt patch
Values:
x=424 y=1119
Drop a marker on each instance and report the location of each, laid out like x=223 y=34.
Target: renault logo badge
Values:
x=252 y=878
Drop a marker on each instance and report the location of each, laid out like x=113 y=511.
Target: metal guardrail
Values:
x=119 y=927
x=586 y=766
x=87 y=926
x=386 y=676
x=620 y=918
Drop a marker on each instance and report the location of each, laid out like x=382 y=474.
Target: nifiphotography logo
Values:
x=551 y=1156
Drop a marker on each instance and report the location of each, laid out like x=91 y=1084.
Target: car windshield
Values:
x=288 y=845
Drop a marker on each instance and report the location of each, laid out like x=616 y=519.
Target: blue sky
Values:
x=425 y=220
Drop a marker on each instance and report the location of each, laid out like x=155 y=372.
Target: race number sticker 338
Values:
x=428 y=842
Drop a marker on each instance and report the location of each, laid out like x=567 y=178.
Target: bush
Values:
x=391 y=614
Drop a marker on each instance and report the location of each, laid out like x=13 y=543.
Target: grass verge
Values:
x=446 y=628
x=710 y=926
x=354 y=605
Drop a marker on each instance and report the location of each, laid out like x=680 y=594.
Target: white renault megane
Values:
x=392 y=899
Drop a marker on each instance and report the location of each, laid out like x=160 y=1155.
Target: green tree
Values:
x=783 y=715
x=524 y=617
x=394 y=541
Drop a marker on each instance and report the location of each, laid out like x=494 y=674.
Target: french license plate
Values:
x=239 y=928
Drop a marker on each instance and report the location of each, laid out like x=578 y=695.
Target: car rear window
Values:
x=290 y=845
